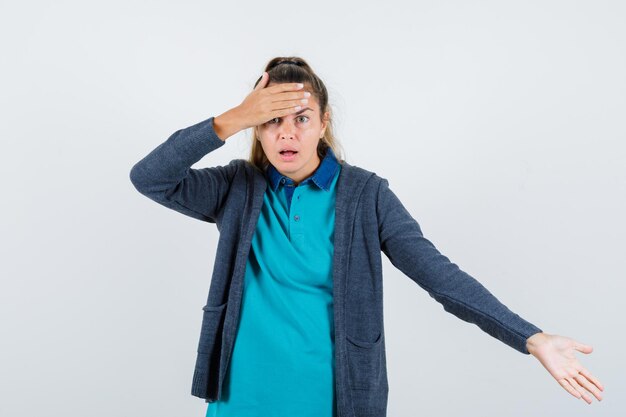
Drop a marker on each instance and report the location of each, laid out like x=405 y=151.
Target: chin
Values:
x=288 y=166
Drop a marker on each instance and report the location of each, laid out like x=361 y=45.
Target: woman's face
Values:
x=300 y=132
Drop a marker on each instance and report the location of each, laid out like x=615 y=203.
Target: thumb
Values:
x=263 y=82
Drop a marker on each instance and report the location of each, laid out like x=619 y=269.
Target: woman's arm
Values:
x=165 y=174
x=401 y=239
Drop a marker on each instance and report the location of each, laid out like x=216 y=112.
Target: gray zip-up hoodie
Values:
x=369 y=219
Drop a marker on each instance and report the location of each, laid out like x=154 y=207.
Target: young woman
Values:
x=293 y=323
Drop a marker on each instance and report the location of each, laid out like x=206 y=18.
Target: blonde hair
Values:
x=301 y=72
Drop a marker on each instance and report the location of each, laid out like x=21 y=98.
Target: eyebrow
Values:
x=300 y=112
x=303 y=110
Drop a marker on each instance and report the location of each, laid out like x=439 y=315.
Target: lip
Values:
x=288 y=158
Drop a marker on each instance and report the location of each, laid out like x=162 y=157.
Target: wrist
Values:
x=226 y=125
x=534 y=341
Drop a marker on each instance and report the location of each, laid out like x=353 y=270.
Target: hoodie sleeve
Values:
x=460 y=294
x=165 y=174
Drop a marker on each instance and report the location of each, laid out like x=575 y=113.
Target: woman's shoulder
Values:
x=359 y=172
x=358 y=180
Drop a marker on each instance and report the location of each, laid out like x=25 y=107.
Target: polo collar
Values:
x=322 y=177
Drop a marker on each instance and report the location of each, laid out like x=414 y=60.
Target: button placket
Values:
x=297 y=226
x=296 y=194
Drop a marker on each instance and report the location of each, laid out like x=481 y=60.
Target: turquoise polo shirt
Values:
x=282 y=364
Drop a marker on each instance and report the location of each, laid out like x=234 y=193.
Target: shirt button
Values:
x=296 y=217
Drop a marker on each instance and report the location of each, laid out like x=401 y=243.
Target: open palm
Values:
x=556 y=354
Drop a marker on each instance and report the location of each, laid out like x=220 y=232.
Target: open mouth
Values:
x=288 y=156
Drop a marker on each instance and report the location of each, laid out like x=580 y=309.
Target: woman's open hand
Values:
x=265 y=103
x=556 y=354
x=262 y=104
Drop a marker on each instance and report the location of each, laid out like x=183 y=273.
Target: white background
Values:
x=500 y=125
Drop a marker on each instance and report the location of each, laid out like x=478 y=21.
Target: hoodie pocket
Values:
x=206 y=373
x=212 y=323
x=364 y=362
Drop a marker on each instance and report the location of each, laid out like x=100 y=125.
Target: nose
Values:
x=287 y=131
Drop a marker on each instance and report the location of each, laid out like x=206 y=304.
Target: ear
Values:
x=324 y=123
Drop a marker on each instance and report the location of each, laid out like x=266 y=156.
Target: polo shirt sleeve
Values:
x=166 y=177
x=460 y=294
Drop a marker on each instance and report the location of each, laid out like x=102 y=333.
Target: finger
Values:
x=263 y=82
x=294 y=105
x=592 y=378
x=580 y=389
x=291 y=95
x=569 y=388
x=280 y=87
x=588 y=386
x=285 y=112
x=581 y=347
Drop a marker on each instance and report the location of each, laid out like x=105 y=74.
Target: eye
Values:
x=271 y=122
